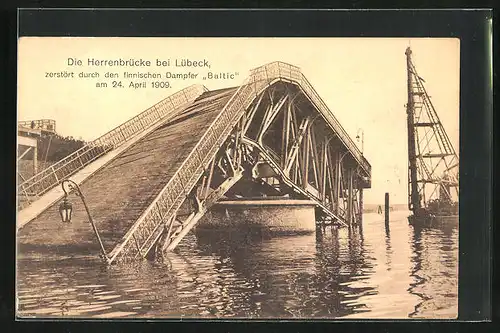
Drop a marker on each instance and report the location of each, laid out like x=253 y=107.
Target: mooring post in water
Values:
x=387 y=208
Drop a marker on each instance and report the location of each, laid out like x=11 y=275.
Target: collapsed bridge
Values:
x=149 y=181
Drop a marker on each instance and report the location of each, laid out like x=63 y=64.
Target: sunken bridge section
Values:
x=148 y=182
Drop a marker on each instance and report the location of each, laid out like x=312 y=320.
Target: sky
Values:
x=362 y=80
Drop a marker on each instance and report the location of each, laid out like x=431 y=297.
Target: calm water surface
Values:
x=375 y=272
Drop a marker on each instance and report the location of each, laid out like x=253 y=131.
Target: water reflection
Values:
x=377 y=271
x=435 y=270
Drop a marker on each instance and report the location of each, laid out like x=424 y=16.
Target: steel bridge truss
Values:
x=274 y=137
x=279 y=147
x=295 y=154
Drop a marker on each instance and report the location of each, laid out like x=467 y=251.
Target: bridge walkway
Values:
x=120 y=191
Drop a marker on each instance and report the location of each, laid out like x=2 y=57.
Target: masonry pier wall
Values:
x=272 y=217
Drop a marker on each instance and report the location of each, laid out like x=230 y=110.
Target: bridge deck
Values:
x=118 y=193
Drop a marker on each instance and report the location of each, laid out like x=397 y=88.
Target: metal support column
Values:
x=305 y=159
x=323 y=170
x=350 y=190
x=338 y=166
x=361 y=205
x=286 y=134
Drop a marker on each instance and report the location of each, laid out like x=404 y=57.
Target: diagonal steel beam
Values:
x=206 y=204
x=251 y=114
x=270 y=116
x=24 y=153
x=296 y=144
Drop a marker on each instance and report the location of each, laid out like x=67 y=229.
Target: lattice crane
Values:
x=433 y=162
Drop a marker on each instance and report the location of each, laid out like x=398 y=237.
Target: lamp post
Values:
x=66 y=210
x=362 y=139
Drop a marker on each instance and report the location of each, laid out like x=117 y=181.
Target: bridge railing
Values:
x=142 y=236
x=50 y=177
x=283 y=70
x=42 y=124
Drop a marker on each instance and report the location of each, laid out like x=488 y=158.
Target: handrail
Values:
x=50 y=177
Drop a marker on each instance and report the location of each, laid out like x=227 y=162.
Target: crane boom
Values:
x=432 y=160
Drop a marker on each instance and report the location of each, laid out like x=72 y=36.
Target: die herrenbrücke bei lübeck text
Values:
x=139 y=62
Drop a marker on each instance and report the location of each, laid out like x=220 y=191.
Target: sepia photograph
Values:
x=237 y=178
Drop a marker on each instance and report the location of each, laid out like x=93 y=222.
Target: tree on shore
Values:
x=56 y=147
